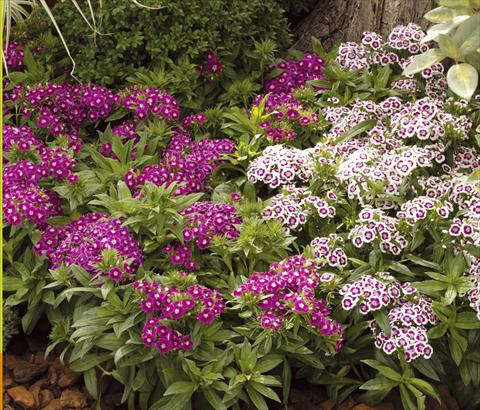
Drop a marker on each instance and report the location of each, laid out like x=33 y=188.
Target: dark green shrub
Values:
x=133 y=37
x=10 y=324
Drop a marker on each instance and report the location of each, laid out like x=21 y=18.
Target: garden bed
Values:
x=204 y=220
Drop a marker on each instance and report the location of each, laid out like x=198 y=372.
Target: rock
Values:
x=41 y=383
x=24 y=371
x=7 y=380
x=347 y=404
x=10 y=361
x=35 y=390
x=39 y=358
x=73 y=398
x=327 y=405
x=46 y=396
x=52 y=376
x=383 y=406
x=55 y=404
x=68 y=378
x=22 y=397
x=57 y=364
x=448 y=400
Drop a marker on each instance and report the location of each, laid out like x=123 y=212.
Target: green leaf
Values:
x=425 y=60
x=257 y=399
x=214 y=399
x=448 y=46
x=268 y=363
x=91 y=383
x=355 y=130
x=180 y=388
x=265 y=391
x=379 y=383
x=440 y=15
x=89 y=361
x=384 y=370
x=287 y=380
x=463 y=80
x=467 y=320
x=12 y=284
x=454 y=3
x=425 y=387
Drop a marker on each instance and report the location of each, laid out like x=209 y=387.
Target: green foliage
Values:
x=10 y=324
x=131 y=37
x=456 y=31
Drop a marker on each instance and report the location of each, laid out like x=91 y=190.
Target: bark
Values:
x=333 y=21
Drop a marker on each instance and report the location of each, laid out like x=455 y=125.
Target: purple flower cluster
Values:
x=279 y=165
x=408 y=330
x=326 y=248
x=14 y=56
x=186 y=162
x=56 y=162
x=24 y=199
x=190 y=120
x=168 y=305
x=210 y=67
x=295 y=74
x=63 y=108
x=21 y=140
x=150 y=100
x=127 y=129
x=206 y=220
x=88 y=243
x=289 y=119
x=421 y=208
x=288 y=290
x=293 y=207
x=375 y=226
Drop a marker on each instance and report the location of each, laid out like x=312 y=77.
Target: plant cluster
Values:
x=211 y=256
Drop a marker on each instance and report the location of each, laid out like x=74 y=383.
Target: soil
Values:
x=33 y=382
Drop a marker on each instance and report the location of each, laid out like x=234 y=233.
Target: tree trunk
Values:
x=333 y=21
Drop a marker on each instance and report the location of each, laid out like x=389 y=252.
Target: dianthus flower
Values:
x=295 y=74
x=169 y=305
x=205 y=221
x=422 y=207
x=279 y=165
x=408 y=330
x=373 y=293
x=95 y=242
x=126 y=129
x=27 y=201
x=474 y=294
x=186 y=163
x=288 y=291
x=20 y=139
x=293 y=207
x=210 y=67
x=150 y=100
x=63 y=108
x=374 y=226
x=408 y=315
x=14 y=56
x=328 y=249
x=208 y=219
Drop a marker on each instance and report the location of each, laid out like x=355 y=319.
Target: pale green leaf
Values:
x=463 y=80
